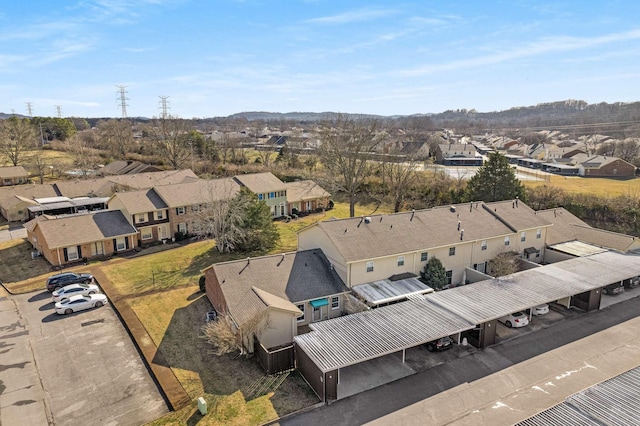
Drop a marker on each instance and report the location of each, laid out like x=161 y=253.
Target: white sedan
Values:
x=540 y=309
x=73 y=289
x=80 y=303
x=516 y=319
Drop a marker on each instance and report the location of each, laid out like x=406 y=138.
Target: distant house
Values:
x=126 y=167
x=306 y=196
x=68 y=239
x=14 y=175
x=269 y=297
x=268 y=188
x=416 y=150
x=603 y=166
x=15 y=200
x=458 y=155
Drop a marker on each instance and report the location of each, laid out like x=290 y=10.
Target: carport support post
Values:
x=404 y=351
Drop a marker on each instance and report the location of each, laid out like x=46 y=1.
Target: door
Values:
x=163 y=232
x=317 y=314
x=97 y=248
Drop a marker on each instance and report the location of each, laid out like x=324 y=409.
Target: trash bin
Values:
x=202 y=406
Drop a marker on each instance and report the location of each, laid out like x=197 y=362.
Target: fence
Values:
x=275 y=360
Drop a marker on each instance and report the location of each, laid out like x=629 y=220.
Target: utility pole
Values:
x=58 y=111
x=29 y=109
x=122 y=100
x=164 y=107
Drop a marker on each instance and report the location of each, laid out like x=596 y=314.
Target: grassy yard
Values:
x=596 y=186
x=18 y=271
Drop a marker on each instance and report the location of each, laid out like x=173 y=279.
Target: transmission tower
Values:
x=29 y=109
x=163 y=106
x=122 y=100
x=58 y=111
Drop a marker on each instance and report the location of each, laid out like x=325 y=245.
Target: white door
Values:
x=317 y=314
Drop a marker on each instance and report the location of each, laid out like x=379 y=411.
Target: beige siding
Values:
x=279 y=329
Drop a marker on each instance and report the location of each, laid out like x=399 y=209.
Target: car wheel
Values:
x=430 y=347
x=68 y=311
x=508 y=324
x=92 y=292
x=98 y=304
x=605 y=291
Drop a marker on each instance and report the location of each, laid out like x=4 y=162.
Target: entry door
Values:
x=97 y=248
x=317 y=314
x=481 y=267
x=163 y=232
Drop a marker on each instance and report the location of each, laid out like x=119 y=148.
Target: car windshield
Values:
x=518 y=314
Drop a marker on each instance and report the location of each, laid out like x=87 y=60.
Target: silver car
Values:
x=80 y=303
x=73 y=289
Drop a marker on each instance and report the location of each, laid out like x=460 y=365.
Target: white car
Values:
x=516 y=319
x=79 y=303
x=540 y=309
x=73 y=289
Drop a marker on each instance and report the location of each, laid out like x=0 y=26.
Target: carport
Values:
x=340 y=343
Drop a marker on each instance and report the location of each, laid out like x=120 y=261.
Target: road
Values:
x=376 y=403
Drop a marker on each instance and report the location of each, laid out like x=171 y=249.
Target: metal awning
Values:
x=388 y=290
x=531 y=250
x=319 y=302
x=577 y=248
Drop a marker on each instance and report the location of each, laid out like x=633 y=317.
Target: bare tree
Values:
x=116 y=136
x=344 y=152
x=628 y=149
x=169 y=137
x=504 y=263
x=37 y=162
x=85 y=158
x=17 y=136
x=400 y=178
x=222 y=335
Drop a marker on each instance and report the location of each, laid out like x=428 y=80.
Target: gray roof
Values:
x=517 y=215
x=295 y=277
x=577 y=248
x=260 y=183
x=202 y=191
x=144 y=201
x=408 y=232
x=612 y=402
x=355 y=338
x=563 y=228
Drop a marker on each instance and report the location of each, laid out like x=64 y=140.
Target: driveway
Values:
x=13 y=233
x=68 y=370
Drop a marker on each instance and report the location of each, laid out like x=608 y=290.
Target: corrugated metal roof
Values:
x=351 y=339
x=577 y=248
x=613 y=402
x=383 y=291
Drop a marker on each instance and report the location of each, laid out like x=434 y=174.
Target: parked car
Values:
x=540 y=309
x=73 y=289
x=631 y=283
x=441 y=344
x=79 y=303
x=612 y=289
x=516 y=319
x=56 y=282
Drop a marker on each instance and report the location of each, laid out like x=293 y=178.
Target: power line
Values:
x=122 y=100
x=163 y=106
x=29 y=109
x=58 y=111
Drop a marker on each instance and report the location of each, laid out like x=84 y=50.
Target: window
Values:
x=539 y=233
x=120 y=244
x=72 y=253
x=141 y=218
x=449 y=275
x=523 y=236
x=160 y=214
x=335 y=303
x=452 y=251
x=483 y=245
x=507 y=240
x=301 y=307
x=369 y=266
x=272 y=195
x=182 y=228
x=260 y=197
x=400 y=260
x=180 y=210
x=146 y=233
x=423 y=256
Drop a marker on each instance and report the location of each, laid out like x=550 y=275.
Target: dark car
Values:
x=631 y=283
x=615 y=288
x=56 y=282
x=441 y=344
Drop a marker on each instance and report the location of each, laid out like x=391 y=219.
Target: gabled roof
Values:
x=398 y=233
x=83 y=228
x=608 y=239
x=152 y=179
x=202 y=191
x=563 y=228
x=304 y=190
x=83 y=188
x=12 y=172
x=12 y=195
x=293 y=277
x=144 y=201
x=260 y=183
x=516 y=214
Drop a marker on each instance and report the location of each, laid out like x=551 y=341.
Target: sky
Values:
x=212 y=58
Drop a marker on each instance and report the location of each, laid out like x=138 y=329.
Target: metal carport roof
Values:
x=355 y=338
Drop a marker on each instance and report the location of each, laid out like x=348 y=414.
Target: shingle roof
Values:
x=260 y=183
x=603 y=238
x=304 y=190
x=293 y=277
x=152 y=179
x=9 y=194
x=563 y=228
x=12 y=172
x=84 y=228
x=146 y=200
x=83 y=187
x=399 y=233
x=517 y=214
x=199 y=192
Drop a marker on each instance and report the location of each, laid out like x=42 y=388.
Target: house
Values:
x=146 y=211
x=416 y=150
x=67 y=239
x=603 y=166
x=15 y=200
x=268 y=188
x=457 y=154
x=269 y=297
x=126 y=167
x=13 y=175
x=464 y=236
x=306 y=196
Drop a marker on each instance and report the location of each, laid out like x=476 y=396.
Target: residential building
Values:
x=458 y=154
x=306 y=196
x=15 y=200
x=146 y=211
x=13 y=175
x=603 y=166
x=269 y=189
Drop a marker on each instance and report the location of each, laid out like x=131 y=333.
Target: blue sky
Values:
x=216 y=58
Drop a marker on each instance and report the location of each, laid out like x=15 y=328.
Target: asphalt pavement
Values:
x=384 y=400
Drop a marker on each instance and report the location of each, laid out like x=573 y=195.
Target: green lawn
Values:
x=597 y=186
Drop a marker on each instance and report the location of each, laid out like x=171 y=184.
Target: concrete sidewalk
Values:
x=525 y=389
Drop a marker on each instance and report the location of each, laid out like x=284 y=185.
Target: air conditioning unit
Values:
x=35 y=254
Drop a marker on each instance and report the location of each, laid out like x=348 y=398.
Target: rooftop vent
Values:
x=452 y=209
x=367 y=219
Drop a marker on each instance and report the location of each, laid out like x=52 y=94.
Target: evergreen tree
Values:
x=434 y=274
x=495 y=181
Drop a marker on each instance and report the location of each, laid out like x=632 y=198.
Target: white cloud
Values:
x=352 y=16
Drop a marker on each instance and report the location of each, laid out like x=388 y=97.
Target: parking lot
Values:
x=74 y=369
